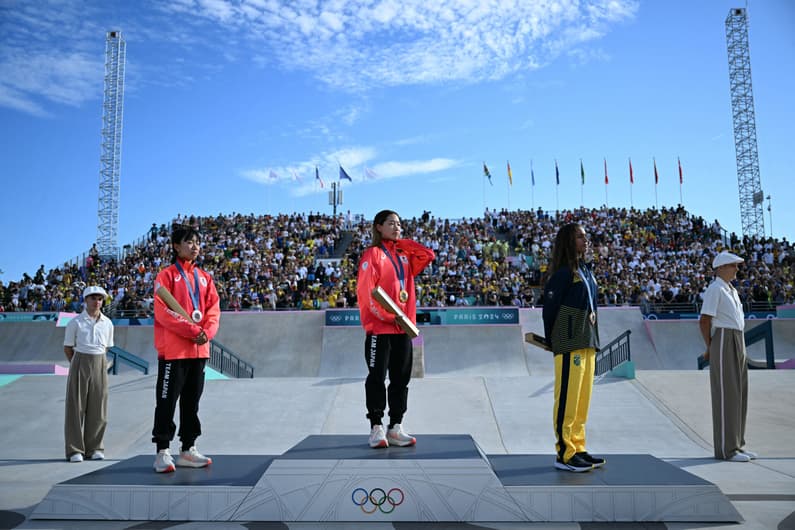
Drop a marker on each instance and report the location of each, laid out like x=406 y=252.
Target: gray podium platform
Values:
x=339 y=478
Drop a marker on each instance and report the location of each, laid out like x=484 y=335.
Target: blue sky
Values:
x=220 y=94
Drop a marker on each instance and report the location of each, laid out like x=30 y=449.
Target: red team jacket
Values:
x=376 y=269
x=173 y=333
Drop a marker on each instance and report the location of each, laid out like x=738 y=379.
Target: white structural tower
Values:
x=110 y=159
x=743 y=116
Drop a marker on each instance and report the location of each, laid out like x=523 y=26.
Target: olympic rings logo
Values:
x=378 y=499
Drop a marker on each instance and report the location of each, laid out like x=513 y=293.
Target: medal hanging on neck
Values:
x=403 y=296
x=196 y=316
x=586 y=280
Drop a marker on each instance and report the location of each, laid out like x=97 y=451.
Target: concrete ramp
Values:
x=31 y=342
x=678 y=343
x=276 y=343
x=474 y=350
x=138 y=340
x=342 y=352
x=783 y=341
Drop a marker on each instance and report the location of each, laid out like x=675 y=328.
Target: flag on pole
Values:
x=656 y=176
x=532 y=175
x=272 y=175
x=510 y=176
x=631 y=175
x=557 y=174
x=606 y=179
x=582 y=172
x=680 y=169
x=344 y=174
x=487 y=173
x=317 y=177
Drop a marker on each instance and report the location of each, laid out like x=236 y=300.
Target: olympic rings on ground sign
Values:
x=377 y=498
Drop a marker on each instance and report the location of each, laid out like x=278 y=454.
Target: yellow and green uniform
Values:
x=570 y=325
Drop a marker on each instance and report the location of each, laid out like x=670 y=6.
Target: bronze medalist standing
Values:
x=571 y=327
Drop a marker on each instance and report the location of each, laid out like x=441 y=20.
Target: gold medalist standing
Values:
x=390 y=263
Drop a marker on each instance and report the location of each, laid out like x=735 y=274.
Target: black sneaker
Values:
x=595 y=461
x=575 y=464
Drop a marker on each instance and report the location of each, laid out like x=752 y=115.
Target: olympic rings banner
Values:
x=377 y=499
x=437 y=316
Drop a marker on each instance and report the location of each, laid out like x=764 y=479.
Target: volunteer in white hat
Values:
x=86 y=341
x=721 y=323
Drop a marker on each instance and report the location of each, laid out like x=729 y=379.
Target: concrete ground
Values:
x=504 y=402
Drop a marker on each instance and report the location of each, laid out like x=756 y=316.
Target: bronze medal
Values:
x=403 y=296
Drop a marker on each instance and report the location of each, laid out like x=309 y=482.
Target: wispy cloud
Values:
x=352 y=45
x=353 y=159
x=38 y=68
x=414 y=167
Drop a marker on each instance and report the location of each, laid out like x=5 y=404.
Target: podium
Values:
x=339 y=478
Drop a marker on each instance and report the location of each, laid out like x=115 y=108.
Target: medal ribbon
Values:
x=401 y=274
x=587 y=281
x=194 y=293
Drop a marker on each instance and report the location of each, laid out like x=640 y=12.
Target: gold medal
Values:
x=403 y=296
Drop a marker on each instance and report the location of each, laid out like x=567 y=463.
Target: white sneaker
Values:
x=396 y=436
x=740 y=457
x=77 y=457
x=164 y=463
x=749 y=454
x=98 y=455
x=378 y=437
x=193 y=458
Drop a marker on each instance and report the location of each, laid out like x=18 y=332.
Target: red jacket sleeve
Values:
x=212 y=304
x=419 y=255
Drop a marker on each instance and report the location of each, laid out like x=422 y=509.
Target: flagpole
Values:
x=656 y=179
x=679 y=164
x=557 y=186
x=484 y=190
x=532 y=187
x=509 y=197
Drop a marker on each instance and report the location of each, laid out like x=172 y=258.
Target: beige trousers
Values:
x=728 y=379
x=86 y=414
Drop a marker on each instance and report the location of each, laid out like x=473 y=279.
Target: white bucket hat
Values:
x=94 y=289
x=725 y=258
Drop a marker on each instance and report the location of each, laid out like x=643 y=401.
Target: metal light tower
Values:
x=110 y=159
x=742 y=96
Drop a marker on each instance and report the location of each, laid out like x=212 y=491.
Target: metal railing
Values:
x=695 y=307
x=615 y=353
x=116 y=355
x=228 y=363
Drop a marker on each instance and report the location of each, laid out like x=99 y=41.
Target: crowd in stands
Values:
x=308 y=261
